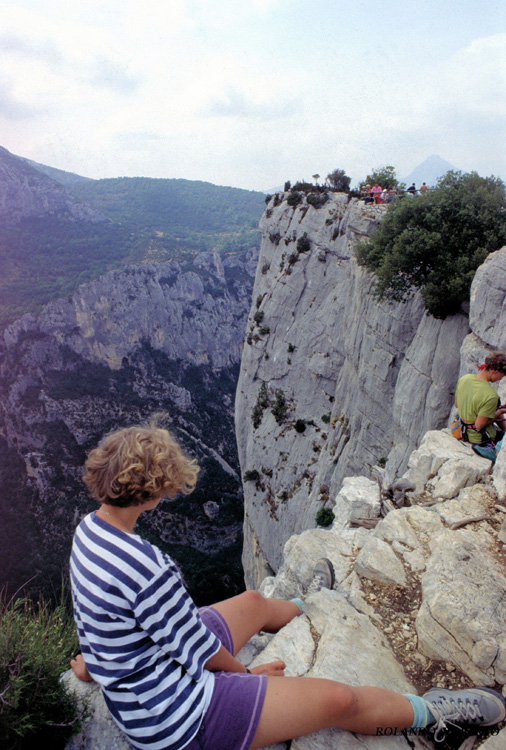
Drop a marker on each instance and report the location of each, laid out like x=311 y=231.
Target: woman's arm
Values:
x=223 y=661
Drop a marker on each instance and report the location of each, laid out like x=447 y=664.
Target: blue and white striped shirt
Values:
x=141 y=636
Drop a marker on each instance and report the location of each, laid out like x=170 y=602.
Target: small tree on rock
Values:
x=436 y=242
x=384 y=176
x=339 y=180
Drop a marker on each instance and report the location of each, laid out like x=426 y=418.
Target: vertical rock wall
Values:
x=331 y=380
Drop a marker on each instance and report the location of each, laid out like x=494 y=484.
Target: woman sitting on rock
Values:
x=168 y=670
x=479 y=405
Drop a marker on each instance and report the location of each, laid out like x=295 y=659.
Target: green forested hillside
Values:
x=168 y=205
x=176 y=215
x=47 y=257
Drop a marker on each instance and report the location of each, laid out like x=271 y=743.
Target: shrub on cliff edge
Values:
x=435 y=242
x=36 y=644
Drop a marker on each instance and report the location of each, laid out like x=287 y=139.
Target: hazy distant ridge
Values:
x=429 y=171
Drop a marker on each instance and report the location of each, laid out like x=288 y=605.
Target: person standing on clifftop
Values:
x=168 y=670
x=376 y=191
x=479 y=406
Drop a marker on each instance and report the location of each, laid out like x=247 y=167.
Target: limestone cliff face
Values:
x=420 y=590
x=331 y=381
x=149 y=338
x=191 y=314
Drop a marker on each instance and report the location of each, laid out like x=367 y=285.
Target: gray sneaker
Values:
x=479 y=707
x=323 y=576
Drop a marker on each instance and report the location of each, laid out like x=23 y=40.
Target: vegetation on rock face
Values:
x=36 y=644
x=303 y=244
x=294 y=198
x=325 y=517
x=300 y=425
x=261 y=404
x=279 y=408
x=435 y=242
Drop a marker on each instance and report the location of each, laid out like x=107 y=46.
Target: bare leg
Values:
x=295 y=706
x=80 y=669
x=250 y=612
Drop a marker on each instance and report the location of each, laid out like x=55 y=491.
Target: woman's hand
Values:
x=272 y=669
x=80 y=669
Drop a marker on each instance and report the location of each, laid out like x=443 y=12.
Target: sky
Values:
x=251 y=93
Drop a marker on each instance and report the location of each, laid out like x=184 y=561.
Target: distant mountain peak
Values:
x=429 y=171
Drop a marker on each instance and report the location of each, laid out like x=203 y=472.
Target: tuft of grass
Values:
x=36 y=644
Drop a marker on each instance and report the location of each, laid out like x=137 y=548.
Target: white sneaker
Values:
x=323 y=576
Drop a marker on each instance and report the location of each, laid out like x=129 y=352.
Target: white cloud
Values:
x=231 y=91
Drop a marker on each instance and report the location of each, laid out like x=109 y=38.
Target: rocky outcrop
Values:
x=422 y=593
x=419 y=600
x=27 y=193
x=331 y=380
x=191 y=315
x=150 y=338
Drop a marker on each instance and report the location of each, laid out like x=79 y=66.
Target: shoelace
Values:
x=448 y=711
x=316 y=584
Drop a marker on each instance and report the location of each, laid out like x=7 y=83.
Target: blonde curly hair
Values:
x=137 y=464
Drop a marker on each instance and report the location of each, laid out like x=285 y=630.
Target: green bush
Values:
x=300 y=425
x=279 y=409
x=262 y=403
x=251 y=475
x=36 y=644
x=317 y=200
x=339 y=180
x=303 y=244
x=435 y=242
x=384 y=176
x=325 y=517
x=294 y=198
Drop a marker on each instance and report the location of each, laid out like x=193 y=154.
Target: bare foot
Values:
x=80 y=669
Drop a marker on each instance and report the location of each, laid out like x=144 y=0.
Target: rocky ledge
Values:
x=419 y=598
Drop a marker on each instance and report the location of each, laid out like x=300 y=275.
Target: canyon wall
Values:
x=332 y=381
x=154 y=337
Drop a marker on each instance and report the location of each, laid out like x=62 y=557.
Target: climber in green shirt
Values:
x=479 y=404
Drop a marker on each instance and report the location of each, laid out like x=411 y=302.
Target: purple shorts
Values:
x=232 y=717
